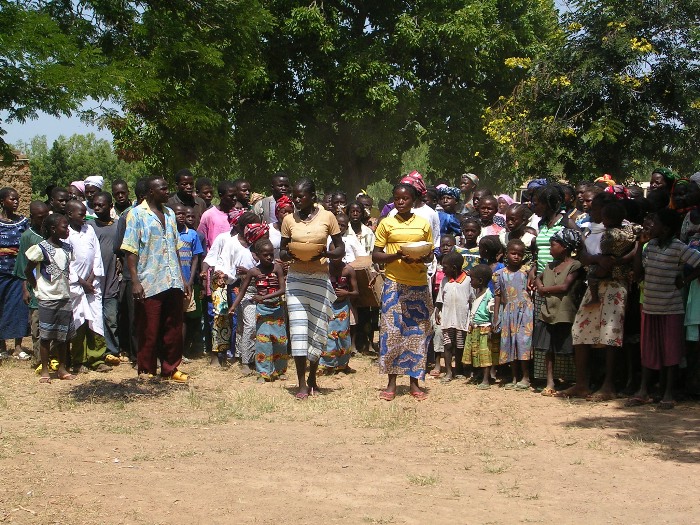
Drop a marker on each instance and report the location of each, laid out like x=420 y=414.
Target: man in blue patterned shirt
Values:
x=151 y=242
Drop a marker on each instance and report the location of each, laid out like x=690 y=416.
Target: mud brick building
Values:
x=18 y=175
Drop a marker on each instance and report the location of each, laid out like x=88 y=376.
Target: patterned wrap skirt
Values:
x=270 y=341
x=56 y=320
x=601 y=324
x=337 y=353
x=481 y=348
x=405 y=329
x=14 y=313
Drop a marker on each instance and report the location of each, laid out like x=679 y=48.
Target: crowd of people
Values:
x=491 y=292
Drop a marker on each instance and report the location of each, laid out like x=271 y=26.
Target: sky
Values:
x=50 y=126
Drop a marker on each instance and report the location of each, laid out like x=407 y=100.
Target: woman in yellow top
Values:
x=405 y=328
x=309 y=294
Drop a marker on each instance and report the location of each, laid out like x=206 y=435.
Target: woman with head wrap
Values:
x=420 y=208
x=449 y=221
x=93 y=185
x=503 y=202
x=662 y=178
x=468 y=183
x=283 y=207
x=559 y=285
x=76 y=190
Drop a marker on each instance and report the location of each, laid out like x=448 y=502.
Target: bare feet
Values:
x=602 y=395
x=574 y=391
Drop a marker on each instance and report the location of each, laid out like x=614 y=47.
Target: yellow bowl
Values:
x=305 y=251
x=417 y=249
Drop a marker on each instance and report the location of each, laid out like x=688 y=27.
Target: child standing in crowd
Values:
x=471 y=231
x=452 y=311
x=517 y=219
x=449 y=200
x=51 y=287
x=481 y=348
x=616 y=240
x=662 y=339
x=558 y=284
x=447 y=245
x=513 y=312
x=491 y=251
x=105 y=228
x=353 y=248
x=363 y=233
x=88 y=346
x=338 y=349
x=270 y=329
x=221 y=328
x=488 y=207
x=189 y=253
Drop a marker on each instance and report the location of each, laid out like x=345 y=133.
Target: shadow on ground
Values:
x=671 y=435
x=126 y=390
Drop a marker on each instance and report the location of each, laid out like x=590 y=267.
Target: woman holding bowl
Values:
x=405 y=327
x=310 y=295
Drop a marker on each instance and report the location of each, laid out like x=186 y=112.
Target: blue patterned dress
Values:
x=516 y=315
x=14 y=313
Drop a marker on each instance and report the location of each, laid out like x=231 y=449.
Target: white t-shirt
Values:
x=455 y=299
x=275 y=238
x=234 y=254
x=57 y=288
x=353 y=248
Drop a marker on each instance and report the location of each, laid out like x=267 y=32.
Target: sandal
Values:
x=637 y=401
x=67 y=377
x=509 y=386
x=301 y=396
x=387 y=396
x=522 y=386
x=548 y=392
x=43 y=380
x=419 y=395
x=434 y=373
x=179 y=377
x=112 y=360
x=667 y=405
x=483 y=386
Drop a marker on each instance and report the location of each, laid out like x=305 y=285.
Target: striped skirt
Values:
x=310 y=299
x=405 y=329
x=56 y=320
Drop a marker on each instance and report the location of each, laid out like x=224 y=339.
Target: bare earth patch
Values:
x=223 y=449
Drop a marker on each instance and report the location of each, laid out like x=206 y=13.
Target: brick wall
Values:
x=18 y=176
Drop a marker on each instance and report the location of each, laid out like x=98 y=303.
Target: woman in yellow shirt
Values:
x=405 y=328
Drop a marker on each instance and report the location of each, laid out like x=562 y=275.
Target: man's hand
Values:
x=137 y=292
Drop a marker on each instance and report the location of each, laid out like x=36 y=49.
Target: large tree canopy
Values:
x=46 y=62
x=618 y=92
x=338 y=90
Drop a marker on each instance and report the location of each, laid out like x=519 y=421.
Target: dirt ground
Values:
x=109 y=449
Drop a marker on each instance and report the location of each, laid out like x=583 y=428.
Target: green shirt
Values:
x=28 y=239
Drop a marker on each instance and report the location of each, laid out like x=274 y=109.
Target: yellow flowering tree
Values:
x=619 y=90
